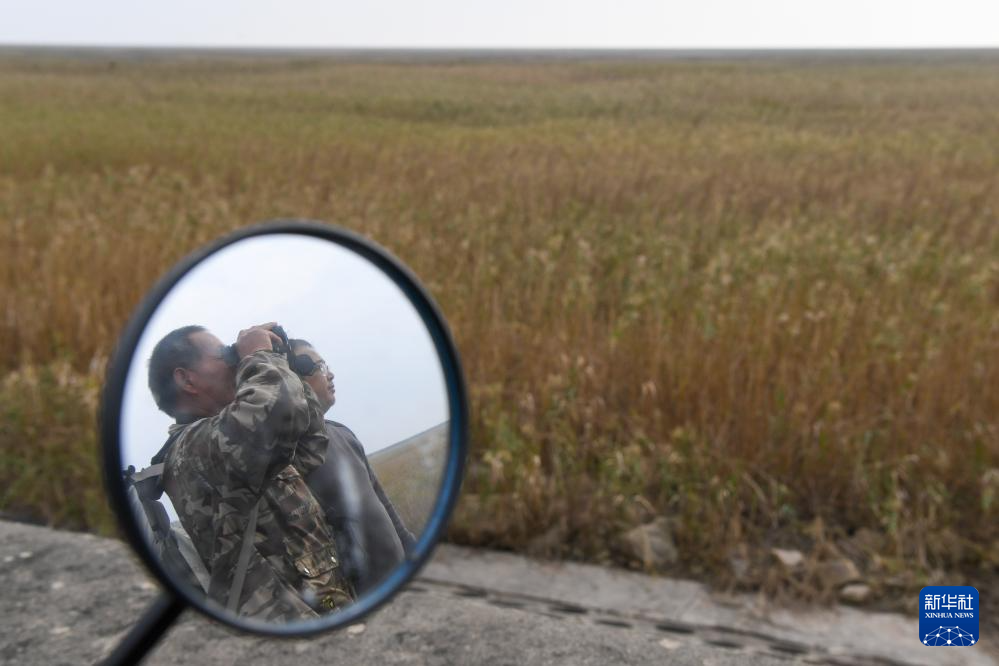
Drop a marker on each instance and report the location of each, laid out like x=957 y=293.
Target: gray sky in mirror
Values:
x=515 y=23
x=389 y=380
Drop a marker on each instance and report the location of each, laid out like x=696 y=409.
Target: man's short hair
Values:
x=174 y=351
x=298 y=343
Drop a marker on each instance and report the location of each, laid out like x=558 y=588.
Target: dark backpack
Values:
x=169 y=542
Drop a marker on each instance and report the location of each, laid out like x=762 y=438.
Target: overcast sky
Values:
x=513 y=23
x=389 y=381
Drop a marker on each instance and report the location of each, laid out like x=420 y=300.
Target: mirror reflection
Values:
x=284 y=428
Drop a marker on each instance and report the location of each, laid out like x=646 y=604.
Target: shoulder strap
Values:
x=149 y=472
x=147 y=483
x=145 y=488
x=244 y=560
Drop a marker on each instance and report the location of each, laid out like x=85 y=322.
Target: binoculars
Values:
x=231 y=356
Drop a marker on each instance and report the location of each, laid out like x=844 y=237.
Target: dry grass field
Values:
x=759 y=297
x=411 y=473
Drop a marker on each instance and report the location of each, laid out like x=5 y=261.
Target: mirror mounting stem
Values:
x=147 y=631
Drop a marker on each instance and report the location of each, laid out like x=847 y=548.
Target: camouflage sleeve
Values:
x=258 y=433
x=313 y=444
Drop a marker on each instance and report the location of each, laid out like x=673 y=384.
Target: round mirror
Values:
x=284 y=428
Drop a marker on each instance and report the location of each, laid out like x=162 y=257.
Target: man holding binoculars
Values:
x=247 y=432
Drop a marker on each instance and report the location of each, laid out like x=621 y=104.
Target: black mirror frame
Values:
x=113 y=393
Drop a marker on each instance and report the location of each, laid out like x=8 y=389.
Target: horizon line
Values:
x=498 y=49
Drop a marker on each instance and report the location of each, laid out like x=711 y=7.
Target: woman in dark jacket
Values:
x=370 y=536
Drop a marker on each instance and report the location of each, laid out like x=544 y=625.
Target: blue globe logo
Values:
x=949 y=637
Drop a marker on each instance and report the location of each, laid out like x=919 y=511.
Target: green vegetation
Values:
x=759 y=297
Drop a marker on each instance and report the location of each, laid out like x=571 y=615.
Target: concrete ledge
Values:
x=68 y=598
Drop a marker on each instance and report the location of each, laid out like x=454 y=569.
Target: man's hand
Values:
x=257 y=338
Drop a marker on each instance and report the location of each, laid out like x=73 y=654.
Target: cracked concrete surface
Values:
x=68 y=598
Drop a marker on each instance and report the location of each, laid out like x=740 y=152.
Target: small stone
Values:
x=855 y=593
x=356 y=629
x=670 y=644
x=838 y=572
x=58 y=585
x=59 y=631
x=24 y=554
x=791 y=559
x=105 y=644
x=651 y=544
x=8 y=559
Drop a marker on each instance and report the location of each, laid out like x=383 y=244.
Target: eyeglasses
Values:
x=306 y=367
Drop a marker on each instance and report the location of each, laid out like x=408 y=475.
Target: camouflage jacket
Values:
x=257 y=450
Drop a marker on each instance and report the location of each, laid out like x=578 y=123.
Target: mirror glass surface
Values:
x=283 y=487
